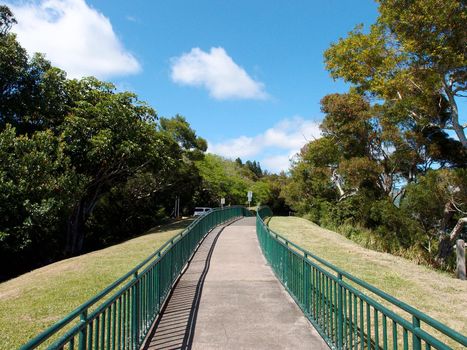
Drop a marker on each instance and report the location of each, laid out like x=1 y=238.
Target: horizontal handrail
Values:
x=272 y=242
x=137 y=296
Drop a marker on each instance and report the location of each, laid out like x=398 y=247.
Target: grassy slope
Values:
x=32 y=302
x=437 y=294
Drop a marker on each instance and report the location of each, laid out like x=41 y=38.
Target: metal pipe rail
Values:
x=123 y=319
x=348 y=312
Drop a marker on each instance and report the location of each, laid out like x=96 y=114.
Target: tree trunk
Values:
x=458 y=128
x=75 y=230
x=444 y=250
x=447 y=242
x=448 y=213
x=77 y=220
x=76 y=224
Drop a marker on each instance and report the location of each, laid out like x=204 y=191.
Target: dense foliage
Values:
x=223 y=178
x=79 y=159
x=83 y=165
x=386 y=172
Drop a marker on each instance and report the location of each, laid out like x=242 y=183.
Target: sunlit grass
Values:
x=32 y=302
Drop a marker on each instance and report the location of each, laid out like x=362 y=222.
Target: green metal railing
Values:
x=121 y=315
x=348 y=312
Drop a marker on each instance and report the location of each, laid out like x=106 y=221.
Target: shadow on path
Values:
x=175 y=329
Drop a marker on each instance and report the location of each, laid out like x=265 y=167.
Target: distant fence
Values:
x=348 y=312
x=121 y=316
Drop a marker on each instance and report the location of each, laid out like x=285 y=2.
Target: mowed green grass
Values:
x=34 y=301
x=437 y=294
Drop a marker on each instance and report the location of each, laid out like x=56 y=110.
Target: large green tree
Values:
x=223 y=178
x=108 y=137
x=414 y=59
x=37 y=184
x=438 y=201
x=412 y=65
x=147 y=197
x=33 y=94
x=78 y=157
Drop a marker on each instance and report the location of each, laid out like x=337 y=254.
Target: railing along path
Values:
x=122 y=314
x=348 y=312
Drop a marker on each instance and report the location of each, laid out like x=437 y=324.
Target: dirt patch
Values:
x=10 y=294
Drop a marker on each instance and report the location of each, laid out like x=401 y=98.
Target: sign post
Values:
x=250 y=197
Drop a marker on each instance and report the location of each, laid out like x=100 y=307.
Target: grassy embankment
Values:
x=437 y=294
x=32 y=302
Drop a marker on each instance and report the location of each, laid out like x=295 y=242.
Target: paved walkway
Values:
x=229 y=298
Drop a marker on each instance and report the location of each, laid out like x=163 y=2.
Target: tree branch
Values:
x=455 y=114
x=457 y=229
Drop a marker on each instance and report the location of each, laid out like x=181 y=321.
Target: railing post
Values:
x=136 y=312
x=340 y=311
x=158 y=284
x=417 y=342
x=286 y=263
x=306 y=283
x=83 y=332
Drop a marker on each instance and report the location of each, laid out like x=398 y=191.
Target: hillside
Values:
x=34 y=301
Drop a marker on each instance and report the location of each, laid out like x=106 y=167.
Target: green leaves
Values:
x=433 y=30
x=68 y=147
x=364 y=59
x=223 y=178
x=36 y=187
x=413 y=60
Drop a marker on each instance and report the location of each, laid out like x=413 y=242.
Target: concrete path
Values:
x=229 y=298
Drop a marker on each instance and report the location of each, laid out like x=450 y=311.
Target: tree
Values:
x=33 y=94
x=179 y=129
x=433 y=32
x=276 y=200
x=108 y=137
x=349 y=177
x=6 y=20
x=224 y=178
x=37 y=185
x=78 y=157
x=365 y=151
x=437 y=200
x=310 y=184
x=221 y=179
x=146 y=198
x=255 y=169
x=413 y=59
x=386 y=168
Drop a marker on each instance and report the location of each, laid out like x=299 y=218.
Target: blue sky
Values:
x=247 y=75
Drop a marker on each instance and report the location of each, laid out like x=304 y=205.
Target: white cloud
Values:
x=276 y=163
x=218 y=73
x=74 y=37
x=291 y=133
x=274 y=147
x=242 y=147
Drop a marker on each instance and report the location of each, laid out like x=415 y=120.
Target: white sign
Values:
x=250 y=196
x=222 y=201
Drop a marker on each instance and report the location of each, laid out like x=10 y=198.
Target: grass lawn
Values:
x=34 y=301
x=437 y=294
